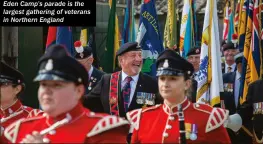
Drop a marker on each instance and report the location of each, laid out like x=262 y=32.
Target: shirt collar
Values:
x=72 y=115
x=90 y=71
x=12 y=108
x=232 y=66
x=174 y=109
x=124 y=75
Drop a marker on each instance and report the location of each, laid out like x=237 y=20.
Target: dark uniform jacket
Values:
x=94 y=79
x=229 y=89
x=251 y=109
x=241 y=137
x=98 y=98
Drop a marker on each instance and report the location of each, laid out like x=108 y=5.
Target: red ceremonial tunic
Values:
x=15 y=112
x=78 y=125
x=159 y=124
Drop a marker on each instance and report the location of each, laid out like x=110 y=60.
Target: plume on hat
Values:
x=79 y=48
x=235 y=39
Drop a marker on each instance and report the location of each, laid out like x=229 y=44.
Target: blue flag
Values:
x=64 y=37
x=149 y=36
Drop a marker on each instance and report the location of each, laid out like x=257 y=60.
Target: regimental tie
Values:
x=229 y=69
x=126 y=92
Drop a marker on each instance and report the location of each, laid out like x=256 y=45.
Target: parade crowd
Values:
x=82 y=104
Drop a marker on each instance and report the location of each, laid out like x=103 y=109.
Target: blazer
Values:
x=98 y=98
x=94 y=79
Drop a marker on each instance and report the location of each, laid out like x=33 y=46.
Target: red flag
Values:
x=51 y=37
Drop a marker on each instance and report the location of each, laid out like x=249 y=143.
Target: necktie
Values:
x=126 y=93
x=229 y=69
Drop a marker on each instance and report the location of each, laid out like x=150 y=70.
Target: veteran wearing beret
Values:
x=231 y=98
x=12 y=85
x=193 y=56
x=127 y=89
x=84 y=55
x=62 y=82
x=230 y=49
x=177 y=120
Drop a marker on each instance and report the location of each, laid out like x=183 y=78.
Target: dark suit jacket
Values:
x=98 y=98
x=229 y=97
x=94 y=79
x=254 y=95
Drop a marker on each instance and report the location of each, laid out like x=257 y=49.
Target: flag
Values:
x=226 y=21
x=51 y=36
x=252 y=61
x=170 y=32
x=128 y=33
x=242 y=25
x=112 y=43
x=84 y=36
x=210 y=82
x=231 y=27
x=186 y=31
x=61 y=35
x=237 y=14
x=87 y=38
x=149 y=36
x=64 y=37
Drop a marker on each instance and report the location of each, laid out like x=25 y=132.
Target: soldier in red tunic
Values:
x=177 y=120
x=11 y=87
x=62 y=84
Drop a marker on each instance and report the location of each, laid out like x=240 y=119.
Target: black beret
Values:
x=10 y=74
x=130 y=46
x=194 y=51
x=239 y=57
x=57 y=64
x=229 y=45
x=82 y=51
x=223 y=42
x=171 y=63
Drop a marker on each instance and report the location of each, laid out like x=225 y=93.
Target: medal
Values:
x=89 y=88
x=193 y=135
x=187 y=130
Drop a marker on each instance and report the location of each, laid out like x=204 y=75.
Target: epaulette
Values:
x=107 y=123
x=35 y=112
x=135 y=116
x=217 y=116
x=12 y=130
